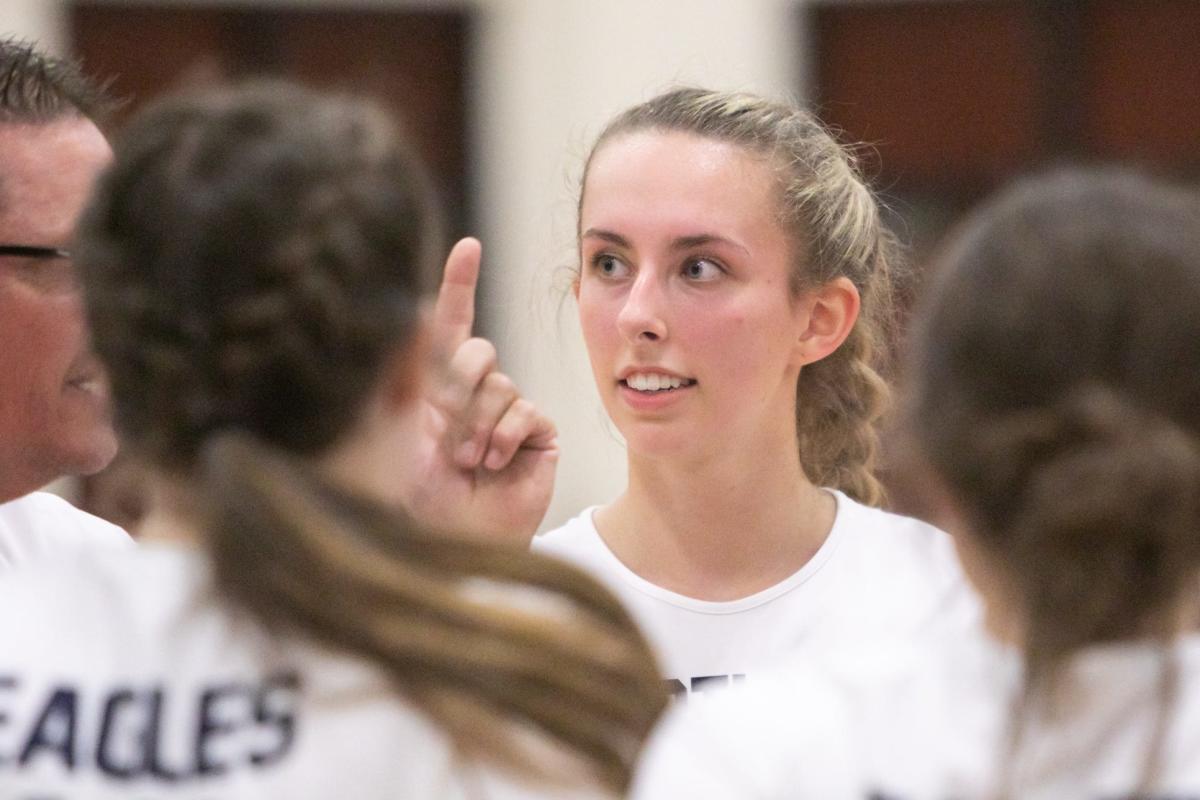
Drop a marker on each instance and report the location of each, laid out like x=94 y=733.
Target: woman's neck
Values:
x=721 y=528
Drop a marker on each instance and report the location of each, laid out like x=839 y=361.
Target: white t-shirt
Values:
x=121 y=676
x=931 y=723
x=877 y=577
x=43 y=526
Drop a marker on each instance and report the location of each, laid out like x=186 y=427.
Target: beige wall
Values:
x=550 y=72
x=34 y=19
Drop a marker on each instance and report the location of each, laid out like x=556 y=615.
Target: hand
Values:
x=487 y=455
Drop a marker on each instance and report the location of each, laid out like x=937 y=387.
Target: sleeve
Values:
x=787 y=737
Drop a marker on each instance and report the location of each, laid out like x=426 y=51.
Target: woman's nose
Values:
x=643 y=317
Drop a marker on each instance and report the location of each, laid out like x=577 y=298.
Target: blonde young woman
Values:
x=255 y=265
x=1056 y=397
x=734 y=292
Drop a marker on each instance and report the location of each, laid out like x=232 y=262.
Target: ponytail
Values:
x=307 y=558
x=1100 y=539
x=1101 y=531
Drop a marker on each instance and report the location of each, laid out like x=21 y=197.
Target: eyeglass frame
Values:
x=33 y=251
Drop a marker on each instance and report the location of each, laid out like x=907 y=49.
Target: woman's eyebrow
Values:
x=608 y=236
x=678 y=243
x=702 y=239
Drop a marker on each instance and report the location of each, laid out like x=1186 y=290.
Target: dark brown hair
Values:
x=833 y=219
x=249 y=261
x=36 y=88
x=1056 y=380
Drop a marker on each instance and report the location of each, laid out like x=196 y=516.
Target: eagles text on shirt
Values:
x=130 y=732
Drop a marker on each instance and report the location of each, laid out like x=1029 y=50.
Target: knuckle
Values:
x=504 y=439
x=533 y=415
x=482 y=352
x=500 y=383
x=522 y=410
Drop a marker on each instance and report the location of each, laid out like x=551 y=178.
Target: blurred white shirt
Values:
x=932 y=723
x=44 y=527
x=124 y=675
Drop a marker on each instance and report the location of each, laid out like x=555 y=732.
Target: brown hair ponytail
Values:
x=1099 y=540
x=1100 y=531
x=305 y=557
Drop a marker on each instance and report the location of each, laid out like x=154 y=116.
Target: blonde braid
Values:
x=840 y=401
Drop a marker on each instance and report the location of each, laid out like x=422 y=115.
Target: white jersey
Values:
x=933 y=724
x=42 y=526
x=877 y=577
x=122 y=676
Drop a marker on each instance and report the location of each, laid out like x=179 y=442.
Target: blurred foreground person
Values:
x=256 y=265
x=54 y=409
x=1057 y=400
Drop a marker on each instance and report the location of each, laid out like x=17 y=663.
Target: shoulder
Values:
x=46 y=507
x=759 y=740
x=836 y=723
x=575 y=538
x=99 y=601
x=896 y=575
x=1183 y=743
x=893 y=542
x=885 y=526
x=42 y=525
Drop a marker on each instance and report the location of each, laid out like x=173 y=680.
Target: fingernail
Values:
x=494 y=459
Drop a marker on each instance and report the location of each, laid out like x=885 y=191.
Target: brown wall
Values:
x=413 y=60
x=955 y=97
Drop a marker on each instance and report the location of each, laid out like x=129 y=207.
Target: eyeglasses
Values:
x=30 y=251
x=48 y=269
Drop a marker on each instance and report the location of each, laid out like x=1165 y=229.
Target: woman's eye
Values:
x=609 y=266
x=701 y=269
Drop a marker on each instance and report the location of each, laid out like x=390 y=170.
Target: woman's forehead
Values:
x=682 y=155
x=680 y=180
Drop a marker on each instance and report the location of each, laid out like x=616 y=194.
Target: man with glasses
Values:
x=54 y=415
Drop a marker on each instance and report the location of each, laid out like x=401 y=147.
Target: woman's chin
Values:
x=661 y=443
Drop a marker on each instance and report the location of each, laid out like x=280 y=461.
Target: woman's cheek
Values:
x=725 y=335
x=598 y=323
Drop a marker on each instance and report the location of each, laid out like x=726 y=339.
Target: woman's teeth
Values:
x=653 y=382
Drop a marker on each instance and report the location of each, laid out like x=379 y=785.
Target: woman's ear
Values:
x=832 y=310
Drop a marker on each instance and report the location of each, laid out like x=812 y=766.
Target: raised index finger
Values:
x=454 y=312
